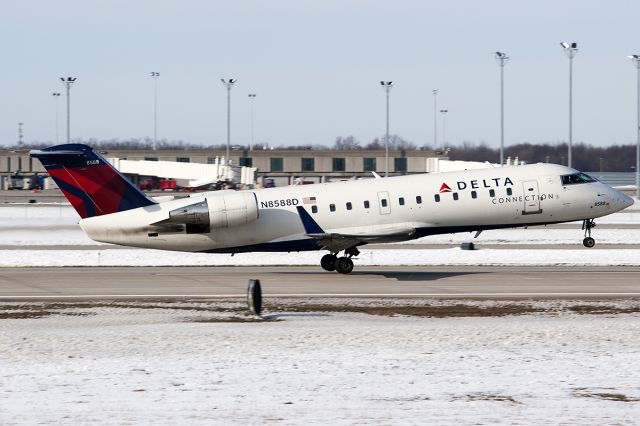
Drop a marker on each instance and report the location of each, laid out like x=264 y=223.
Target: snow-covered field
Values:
x=25 y=226
x=128 y=365
x=72 y=235
x=56 y=225
x=391 y=257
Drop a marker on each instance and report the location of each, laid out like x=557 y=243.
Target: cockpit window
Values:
x=576 y=179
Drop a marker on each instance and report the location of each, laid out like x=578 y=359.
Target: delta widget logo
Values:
x=444 y=188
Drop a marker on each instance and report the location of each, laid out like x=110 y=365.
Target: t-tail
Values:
x=92 y=185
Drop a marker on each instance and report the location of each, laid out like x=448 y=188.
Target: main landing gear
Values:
x=343 y=265
x=587 y=224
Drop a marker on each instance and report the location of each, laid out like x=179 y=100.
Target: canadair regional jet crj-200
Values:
x=337 y=217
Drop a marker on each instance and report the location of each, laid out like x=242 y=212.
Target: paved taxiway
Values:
x=407 y=281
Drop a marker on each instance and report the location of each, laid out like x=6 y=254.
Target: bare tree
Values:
x=347 y=143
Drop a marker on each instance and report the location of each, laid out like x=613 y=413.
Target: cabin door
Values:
x=531 y=197
x=384 y=203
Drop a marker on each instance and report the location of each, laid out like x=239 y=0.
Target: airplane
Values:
x=337 y=216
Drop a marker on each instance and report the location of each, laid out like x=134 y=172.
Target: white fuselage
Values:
x=486 y=199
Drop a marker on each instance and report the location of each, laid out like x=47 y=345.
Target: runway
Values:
x=295 y=281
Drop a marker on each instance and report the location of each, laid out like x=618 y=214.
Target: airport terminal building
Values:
x=283 y=167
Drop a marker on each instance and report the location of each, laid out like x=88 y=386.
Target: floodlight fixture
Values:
x=229 y=85
x=435 y=118
x=570 y=49
x=155 y=75
x=501 y=59
x=636 y=60
x=56 y=95
x=386 y=85
x=252 y=97
x=68 y=82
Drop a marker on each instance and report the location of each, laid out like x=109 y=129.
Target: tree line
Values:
x=614 y=158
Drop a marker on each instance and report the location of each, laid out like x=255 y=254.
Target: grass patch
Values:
x=35 y=314
x=227 y=320
x=440 y=311
x=603 y=309
x=45 y=309
x=607 y=395
x=485 y=396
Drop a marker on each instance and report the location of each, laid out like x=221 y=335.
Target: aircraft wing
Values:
x=335 y=242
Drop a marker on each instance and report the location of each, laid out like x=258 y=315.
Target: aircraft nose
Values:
x=621 y=200
x=627 y=201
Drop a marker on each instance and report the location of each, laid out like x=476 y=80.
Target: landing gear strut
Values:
x=342 y=265
x=587 y=224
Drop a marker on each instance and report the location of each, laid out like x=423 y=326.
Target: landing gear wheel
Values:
x=587 y=224
x=328 y=262
x=344 y=265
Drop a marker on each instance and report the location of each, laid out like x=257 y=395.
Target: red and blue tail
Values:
x=90 y=183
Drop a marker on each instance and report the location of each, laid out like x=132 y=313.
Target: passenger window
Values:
x=437 y=198
x=314 y=209
x=332 y=207
x=455 y=196
x=384 y=202
x=366 y=204
x=349 y=206
x=474 y=194
x=509 y=191
x=418 y=199
x=492 y=193
x=401 y=201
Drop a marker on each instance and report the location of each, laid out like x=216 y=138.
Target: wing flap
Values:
x=336 y=241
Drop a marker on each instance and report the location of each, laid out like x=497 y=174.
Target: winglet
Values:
x=310 y=225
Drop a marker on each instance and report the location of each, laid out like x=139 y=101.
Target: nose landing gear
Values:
x=587 y=224
x=343 y=265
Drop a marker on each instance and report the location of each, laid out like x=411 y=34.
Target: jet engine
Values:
x=225 y=210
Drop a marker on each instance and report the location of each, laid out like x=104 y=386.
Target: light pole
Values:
x=435 y=118
x=571 y=49
x=229 y=85
x=252 y=97
x=155 y=76
x=444 y=128
x=501 y=59
x=56 y=96
x=386 y=85
x=636 y=60
x=68 y=82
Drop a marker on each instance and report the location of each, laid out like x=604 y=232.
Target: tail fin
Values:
x=89 y=182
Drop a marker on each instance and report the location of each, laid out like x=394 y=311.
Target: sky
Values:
x=315 y=67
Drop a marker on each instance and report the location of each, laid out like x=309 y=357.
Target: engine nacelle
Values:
x=195 y=214
x=232 y=209
x=225 y=210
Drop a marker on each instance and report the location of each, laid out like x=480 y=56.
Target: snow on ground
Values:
x=74 y=236
x=55 y=225
x=66 y=236
x=128 y=365
x=39 y=215
x=535 y=236
x=390 y=257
